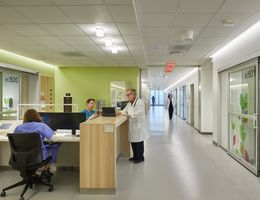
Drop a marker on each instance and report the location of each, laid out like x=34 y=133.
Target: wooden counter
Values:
x=102 y=141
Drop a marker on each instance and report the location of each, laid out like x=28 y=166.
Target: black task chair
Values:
x=26 y=157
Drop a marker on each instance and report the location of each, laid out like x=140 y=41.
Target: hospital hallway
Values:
x=180 y=164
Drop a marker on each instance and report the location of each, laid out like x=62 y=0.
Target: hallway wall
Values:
x=241 y=50
x=192 y=79
x=206 y=121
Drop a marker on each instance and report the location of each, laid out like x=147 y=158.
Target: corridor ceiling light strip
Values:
x=27 y=59
x=181 y=79
x=242 y=37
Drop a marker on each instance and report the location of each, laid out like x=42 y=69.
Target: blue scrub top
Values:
x=36 y=127
x=88 y=113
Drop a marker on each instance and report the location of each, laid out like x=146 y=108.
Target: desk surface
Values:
x=55 y=138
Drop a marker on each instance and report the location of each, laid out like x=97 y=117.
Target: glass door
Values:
x=243 y=137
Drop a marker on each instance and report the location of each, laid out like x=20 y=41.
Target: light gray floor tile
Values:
x=180 y=164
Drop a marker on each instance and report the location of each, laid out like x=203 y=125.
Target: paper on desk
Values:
x=63 y=132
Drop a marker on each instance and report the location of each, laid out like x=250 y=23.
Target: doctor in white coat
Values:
x=135 y=110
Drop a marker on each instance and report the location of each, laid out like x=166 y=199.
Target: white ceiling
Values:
x=62 y=32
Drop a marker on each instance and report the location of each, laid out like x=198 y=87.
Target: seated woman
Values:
x=32 y=124
x=89 y=108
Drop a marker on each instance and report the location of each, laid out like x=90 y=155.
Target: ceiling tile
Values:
x=76 y=40
x=218 y=32
x=156 y=32
x=8 y=15
x=48 y=41
x=157 y=6
x=27 y=2
x=208 y=40
x=122 y=13
x=240 y=6
x=77 y=2
x=238 y=19
x=109 y=28
x=199 y=6
x=28 y=30
x=118 y=2
x=63 y=29
x=88 y=14
x=194 y=20
x=156 y=20
x=88 y=47
x=6 y=32
x=16 y=40
x=128 y=28
x=132 y=39
x=155 y=40
x=44 y=14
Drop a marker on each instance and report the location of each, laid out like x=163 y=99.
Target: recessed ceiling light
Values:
x=100 y=32
x=108 y=43
x=114 y=50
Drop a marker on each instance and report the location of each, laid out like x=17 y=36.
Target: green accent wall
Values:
x=91 y=82
x=21 y=61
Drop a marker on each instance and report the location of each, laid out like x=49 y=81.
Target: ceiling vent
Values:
x=73 y=54
x=178 y=49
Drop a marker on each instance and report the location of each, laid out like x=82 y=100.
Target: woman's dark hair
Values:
x=31 y=115
x=87 y=102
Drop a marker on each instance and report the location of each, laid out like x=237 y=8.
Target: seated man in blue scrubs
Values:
x=89 y=108
x=32 y=124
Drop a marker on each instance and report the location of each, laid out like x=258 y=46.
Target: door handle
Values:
x=255 y=120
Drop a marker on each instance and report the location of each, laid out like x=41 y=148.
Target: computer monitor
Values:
x=108 y=112
x=122 y=104
x=60 y=120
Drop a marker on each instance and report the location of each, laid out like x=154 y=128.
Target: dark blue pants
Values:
x=52 y=150
x=138 y=150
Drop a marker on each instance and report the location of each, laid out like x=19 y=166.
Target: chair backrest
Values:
x=26 y=150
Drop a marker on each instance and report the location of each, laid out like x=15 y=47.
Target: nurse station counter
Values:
x=102 y=140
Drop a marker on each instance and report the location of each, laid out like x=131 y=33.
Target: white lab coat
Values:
x=138 y=130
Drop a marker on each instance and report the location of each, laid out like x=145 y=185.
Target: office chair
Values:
x=26 y=157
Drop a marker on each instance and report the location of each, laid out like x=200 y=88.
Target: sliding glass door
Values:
x=243 y=98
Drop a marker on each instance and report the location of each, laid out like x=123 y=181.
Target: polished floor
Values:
x=180 y=165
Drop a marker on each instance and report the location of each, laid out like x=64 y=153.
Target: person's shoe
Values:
x=46 y=174
x=131 y=159
x=138 y=161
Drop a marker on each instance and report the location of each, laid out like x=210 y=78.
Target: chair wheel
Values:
x=50 y=188
x=31 y=186
x=3 y=194
x=21 y=198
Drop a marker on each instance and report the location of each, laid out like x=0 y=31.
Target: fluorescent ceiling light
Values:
x=100 y=32
x=108 y=43
x=181 y=79
x=243 y=36
x=114 y=50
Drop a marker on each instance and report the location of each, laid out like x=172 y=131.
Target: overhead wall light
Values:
x=241 y=38
x=114 y=50
x=108 y=43
x=100 y=32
